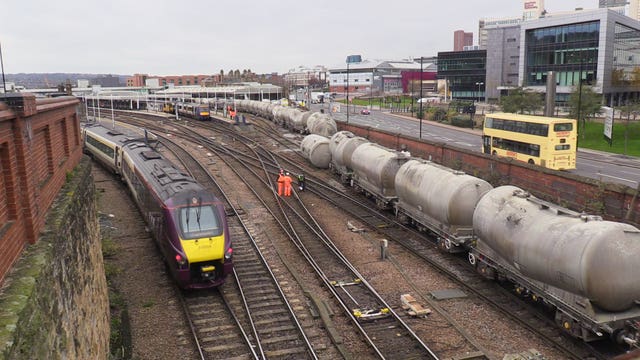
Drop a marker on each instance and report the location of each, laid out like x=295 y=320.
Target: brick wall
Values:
x=611 y=201
x=54 y=303
x=39 y=145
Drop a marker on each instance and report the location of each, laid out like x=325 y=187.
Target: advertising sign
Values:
x=608 y=123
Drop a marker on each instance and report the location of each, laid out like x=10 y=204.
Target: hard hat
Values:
x=287 y=173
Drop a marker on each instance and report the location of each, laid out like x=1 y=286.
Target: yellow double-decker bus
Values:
x=545 y=141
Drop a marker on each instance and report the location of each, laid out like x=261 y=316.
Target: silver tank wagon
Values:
x=440 y=199
x=342 y=145
x=374 y=170
x=321 y=124
x=316 y=149
x=596 y=259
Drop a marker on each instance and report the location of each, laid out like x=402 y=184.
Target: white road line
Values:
x=618 y=178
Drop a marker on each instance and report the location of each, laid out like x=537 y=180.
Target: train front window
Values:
x=199 y=221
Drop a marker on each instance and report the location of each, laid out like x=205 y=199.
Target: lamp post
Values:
x=350 y=59
x=98 y=96
x=113 y=118
x=347 y=90
x=479 y=85
x=420 y=113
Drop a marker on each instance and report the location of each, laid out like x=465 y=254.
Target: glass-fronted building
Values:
x=599 y=47
x=465 y=72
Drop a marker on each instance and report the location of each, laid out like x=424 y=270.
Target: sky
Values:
x=161 y=37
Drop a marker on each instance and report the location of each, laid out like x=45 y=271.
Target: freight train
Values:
x=187 y=221
x=581 y=267
x=304 y=122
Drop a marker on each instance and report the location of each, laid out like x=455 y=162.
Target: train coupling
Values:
x=371 y=314
x=208 y=271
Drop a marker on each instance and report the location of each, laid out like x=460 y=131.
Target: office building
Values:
x=533 y=9
x=462 y=39
x=464 y=72
x=598 y=48
x=503 y=59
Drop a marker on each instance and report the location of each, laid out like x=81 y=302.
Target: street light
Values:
x=350 y=59
x=479 y=85
x=347 y=90
x=420 y=113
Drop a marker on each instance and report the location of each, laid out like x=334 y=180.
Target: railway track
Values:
x=263 y=314
x=486 y=290
x=385 y=331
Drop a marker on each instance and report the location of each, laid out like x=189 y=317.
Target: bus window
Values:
x=563 y=127
x=563 y=147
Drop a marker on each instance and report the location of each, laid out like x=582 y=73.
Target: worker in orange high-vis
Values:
x=280 y=182
x=287 y=184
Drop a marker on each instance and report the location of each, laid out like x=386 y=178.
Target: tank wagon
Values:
x=440 y=200
x=187 y=221
x=374 y=172
x=304 y=122
x=342 y=144
x=321 y=124
x=582 y=266
x=316 y=149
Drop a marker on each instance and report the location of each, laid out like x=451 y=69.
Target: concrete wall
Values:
x=611 y=201
x=39 y=144
x=54 y=303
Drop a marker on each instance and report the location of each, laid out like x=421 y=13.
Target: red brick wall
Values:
x=611 y=201
x=39 y=145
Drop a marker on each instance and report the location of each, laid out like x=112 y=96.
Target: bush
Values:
x=438 y=114
x=462 y=121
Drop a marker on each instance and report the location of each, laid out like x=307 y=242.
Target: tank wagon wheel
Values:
x=472 y=259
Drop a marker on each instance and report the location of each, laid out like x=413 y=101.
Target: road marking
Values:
x=617 y=178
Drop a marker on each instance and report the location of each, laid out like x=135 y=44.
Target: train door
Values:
x=486 y=144
x=118 y=160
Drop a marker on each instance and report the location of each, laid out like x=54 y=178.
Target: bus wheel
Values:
x=531 y=162
x=494 y=153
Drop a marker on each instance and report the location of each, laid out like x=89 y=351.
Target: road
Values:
x=605 y=167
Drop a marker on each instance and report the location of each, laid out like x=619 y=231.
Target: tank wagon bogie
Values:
x=584 y=267
x=187 y=222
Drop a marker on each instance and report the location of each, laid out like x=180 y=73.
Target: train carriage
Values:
x=584 y=267
x=187 y=221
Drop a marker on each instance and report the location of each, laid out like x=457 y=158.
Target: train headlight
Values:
x=180 y=260
x=228 y=255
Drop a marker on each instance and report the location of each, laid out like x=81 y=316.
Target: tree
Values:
x=631 y=110
x=583 y=104
x=521 y=100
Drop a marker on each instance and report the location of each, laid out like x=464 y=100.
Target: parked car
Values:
x=365 y=112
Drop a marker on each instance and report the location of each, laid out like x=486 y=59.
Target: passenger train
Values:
x=583 y=268
x=187 y=221
x=191 y=110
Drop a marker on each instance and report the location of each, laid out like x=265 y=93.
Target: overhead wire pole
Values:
x=4 y=83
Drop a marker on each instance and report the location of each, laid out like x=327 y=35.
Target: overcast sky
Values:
x=161 y=37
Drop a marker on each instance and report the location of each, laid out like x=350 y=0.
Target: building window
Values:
x=625 y=62
x=565 y=49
